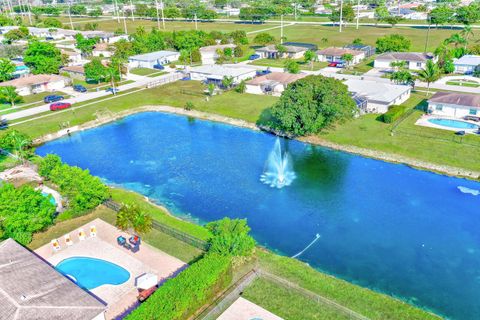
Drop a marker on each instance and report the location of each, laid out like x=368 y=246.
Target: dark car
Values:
x=254 y=57
x=49 y=38
x=59 y=106
x=52 y=98
x=159 y=67
x=112 y=90
x=79 y=88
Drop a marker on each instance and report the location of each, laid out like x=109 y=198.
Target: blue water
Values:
x=405 y=232
x=457 y=124
x=50 y=197
x=90 y=273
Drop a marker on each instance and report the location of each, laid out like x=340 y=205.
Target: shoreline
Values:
x=314 y=140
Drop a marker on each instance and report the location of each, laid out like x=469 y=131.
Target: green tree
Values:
x=230 y=237
x=48 y=163
x=381 y=13
x=78 y=9
x=7 y=67
x=402 y=77
x=430 y=74
x=347 y=58
x=42 y=57
x=85 y=45
x=309 y=57
x=239 y=37
x=238 y=51
x=393 y=20
x=10 y=95
x=393 y=43
x=52 y=23
x=227 y=82
x=441 y=15
x=16 y=34
x=291 y=66
x=131 y=217
x=457 y=40
x=17 y=143
x=466 y=33
x=242 y=87
x=263 y=39
x=95 y=12
x=95 y=70
x=172 y=12
x=348 y=14
x=310 y=104
x=123 y=49
x=112 y=75
x=468 y=15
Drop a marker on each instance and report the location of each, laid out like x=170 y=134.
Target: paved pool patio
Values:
x=104 y=246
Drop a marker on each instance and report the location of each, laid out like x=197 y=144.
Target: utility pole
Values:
x=70 y=14
x=295 y=11
x=163 y=16
x=196 y=26
x=281 y=29
x=158 y=20
x=115 y=6
x=358 y=13
x=29 y=8
x=124 y=20
x=428 y=34
x=131 y=10
x=341 y=14
x=398 y=7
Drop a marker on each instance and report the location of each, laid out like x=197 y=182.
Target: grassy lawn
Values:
x=287 y=303
x=360 y=68
x=143 y=71
x=280 y=63
x=30 y=101
x=364 y=301
x=92 y=86
x=464 y=83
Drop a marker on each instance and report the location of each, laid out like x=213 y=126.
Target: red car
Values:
x=59 y=106
x=332 y=64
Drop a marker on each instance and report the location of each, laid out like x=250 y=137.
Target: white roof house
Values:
x=215 y=73
x=209 y=53
x=32 y=289
x=413 y=60
x=466 y=64
x=379 y=95
x=149 y=60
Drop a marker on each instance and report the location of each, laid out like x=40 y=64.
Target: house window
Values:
x=472 y=112
x=419 y=64
x=438 y=107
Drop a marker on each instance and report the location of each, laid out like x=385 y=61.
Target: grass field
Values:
x=360 y=68
x=30 y=101
x=280 y=63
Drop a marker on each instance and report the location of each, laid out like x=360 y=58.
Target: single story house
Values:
x=379 y=95
x=102 y=49
x=74 y=58
x=308 y=46
x=413 y=60
x=37 y=83
x=466 y=64
x=215 y=73
x=456 y=105
x=272 y=83
x=31 y=289
x=209 y=53
x=368 y=50
x=21 y=70
x=271 y=52
x=149 y=60
x=76 y=72
x=334 y=54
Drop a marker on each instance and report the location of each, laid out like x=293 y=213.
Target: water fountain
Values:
x=278 y=171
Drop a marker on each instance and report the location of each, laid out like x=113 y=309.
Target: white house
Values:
x=149 y=60
x=74 y=58
x=456 y=105
x=273 y=83
x=37 y=83
x=334 y=54
x=209 y=53
x=379 y=95
x=215 y=73
x=413 y=60
x=272 y=52
x=466 y=64
x=102 y=49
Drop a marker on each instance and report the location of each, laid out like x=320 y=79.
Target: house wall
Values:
x=328 y=58
x=464 y=68
x=208 y=57
x=132 y=63
x=385 y=64
x=43 y=87
x=450 y=110
x=203 y=76
x=382 y=106
x=253 y=89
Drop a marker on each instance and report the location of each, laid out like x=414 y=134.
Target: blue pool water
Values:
x=405 y=232
x=457 y=124
x=52 y=199
x=90 y=273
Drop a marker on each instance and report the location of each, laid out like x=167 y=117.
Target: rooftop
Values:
x=376 y=91
x=471 y=60
x=404 y=56
x=281 y=77
x=75 y=69
x=152 y=56
x=460 y=99
x=220 y=71
x=334 y=51
x=216 y=47
x=273 y=48
x=32 y=289
x=32 y=80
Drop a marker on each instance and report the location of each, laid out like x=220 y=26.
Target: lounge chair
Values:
x=81 y=234
x=93 y=231
x=68 y=241
x=55 y=245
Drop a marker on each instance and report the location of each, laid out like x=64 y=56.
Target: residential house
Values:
x=209 y=53
x=334 y=54
x=74 y=57
x=76 y=72
x=102 y=49
x=368 y=50
x=149 y=60
x=272 y=83
x=272 y=52
x=308 y=46
x=379 y=95
x=21 y=70
x=455 y=105
x=466 y=64
x=413 y=60
x=37 y=83
x=215 y=73
x=32 y=289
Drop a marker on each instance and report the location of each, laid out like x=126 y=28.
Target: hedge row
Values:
x=393 y=113
x=182 y=296
x=83 y=191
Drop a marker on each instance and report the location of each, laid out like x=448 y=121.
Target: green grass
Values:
x=371 y=304
x=471 y=84
x=30 y=101
x=360 y=68
x=92 y=86
x=143 y=71
x=280 y=63
x=287 y=303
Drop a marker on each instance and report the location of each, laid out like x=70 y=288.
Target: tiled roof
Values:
x=290 y=49
x=460 y=99
x=75 y=69
x=32 y=80
x=281 y=77
x=333 y=51
x=404 y=56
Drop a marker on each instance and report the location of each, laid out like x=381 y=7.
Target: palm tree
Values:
x=9 y=94
x=430 y=74
x=130 y=217
x=347 y=58
x=310 y=56
x=456 y=39
x=466 y=32
x=111 y=76
x=227 y=82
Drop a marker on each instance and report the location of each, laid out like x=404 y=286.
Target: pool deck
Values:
x=104 y=246
x=423 y=121
x=243 y=309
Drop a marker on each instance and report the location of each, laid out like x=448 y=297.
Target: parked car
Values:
x=254 y=57
x=112 y=90
x=49 y=38
x=159 y=67
x=3 y=124
x=332 y=64
x=52 y=98
x=59 y=106
x=79 y=88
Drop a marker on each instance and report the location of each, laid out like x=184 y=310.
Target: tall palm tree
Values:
x=467 y=32
x=430 y=74
x=112 y=77
x=456 y=39
x=131 y=217
x=9 y=94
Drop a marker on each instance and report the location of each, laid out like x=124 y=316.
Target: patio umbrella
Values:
x=146 y=281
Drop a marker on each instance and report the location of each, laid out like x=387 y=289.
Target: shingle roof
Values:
x=32 y=80
x=333 y=51
x=30 y=289
x=404 y=56
x=460 y=99
x=281 y=77
x=469 y=60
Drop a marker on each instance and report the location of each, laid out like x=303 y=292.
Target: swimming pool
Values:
x=52 y=199
x=451 y=123
x=90 y=273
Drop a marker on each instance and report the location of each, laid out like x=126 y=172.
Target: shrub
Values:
x=181 y=296
x=393 y=113
x=172 y=65
x=231 y=238
x=47 y=164
x=189 y=105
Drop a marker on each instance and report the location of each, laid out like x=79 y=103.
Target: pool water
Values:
x=52 y=199
x=451 y=123
x=405 y=232
x=90 y=273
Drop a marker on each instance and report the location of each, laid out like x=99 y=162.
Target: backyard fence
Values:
x=177 y=234
x=164 y=80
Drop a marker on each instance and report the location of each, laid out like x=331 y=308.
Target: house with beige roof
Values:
x=334 y=54
x=455 y=105
x=209 y=53
x=37 y=83
x=273 y=83
x=102 y=49
x=413 y=60
x=31 y=289
x=272 y=51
